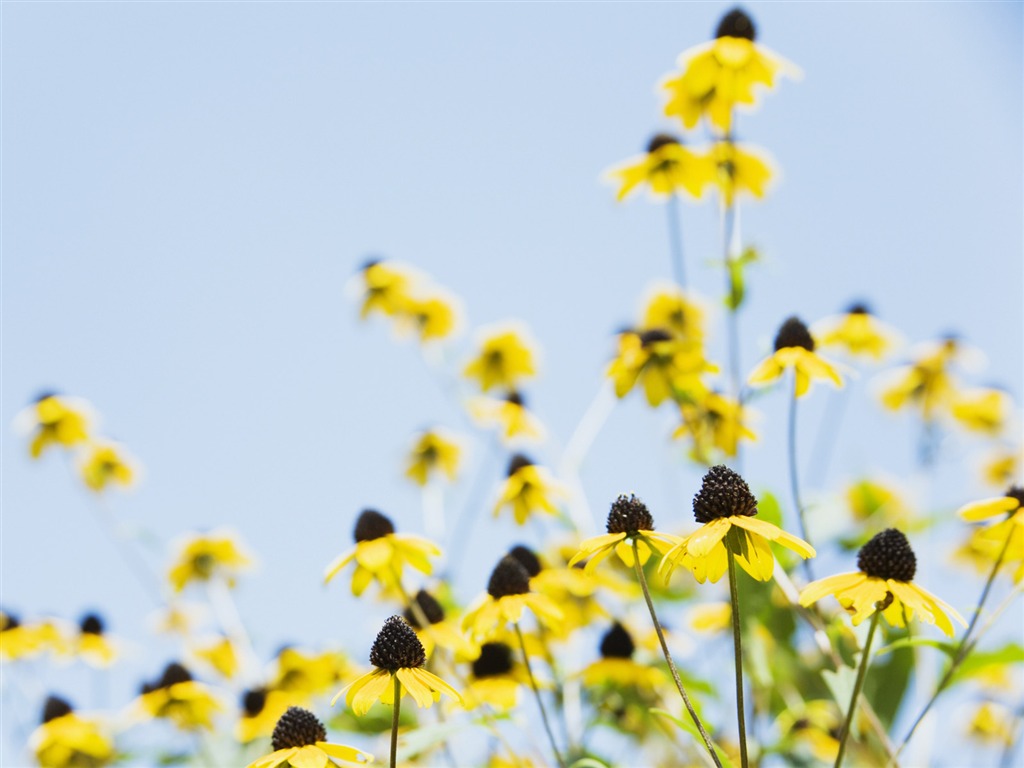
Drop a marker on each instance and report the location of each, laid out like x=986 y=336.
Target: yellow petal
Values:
x=980 y=510
x=309 y=756
x=830 y=585
x=701 y=542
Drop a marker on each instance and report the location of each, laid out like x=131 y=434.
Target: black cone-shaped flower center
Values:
x=736 y=23
x=514 y=397
x=372 y=525
x=1016 y=492
x=495 y=659
x=508 y=578
x=617 y=643
x=432 y=610
x=794 y=333
x=397 y=647
x=653 y=336
x=174 y=673
x=297 y=727
x=660 y=140
x=517 y=462
x=888 y=556
x=629 y=515
x=723 y=493
x=91 y=624
x=527 y=558
x=253 y=701
x=8 y=621
x=858 y=308
x=55 y=707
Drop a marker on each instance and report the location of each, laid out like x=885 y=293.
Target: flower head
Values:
x=55 y=420
x=740 y=169
x=505 y=358
x=629 y=521
x=857 y=332
x=92 y=644
x=397 y=653
x=884 y=583
x=982 y=410
x=664 y=365
x=66 y=740
x=300 y=741
x=727 y=508
x=440 y=630
x=714 y=422
x=386 y=288
x=175 y=696
x=508 y=593
x=794 y=348
x=434 y=453
x=104 y=464
x=527 y=489
x=926 y=383
x=617 y=667
x=1005 y=536
x=666 y=168
x=496 y=678
x=509 y=414
x=205 y=557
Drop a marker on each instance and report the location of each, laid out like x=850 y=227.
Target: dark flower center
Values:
x=660 y=140
x=1016 y=492
x=888 y=556
x=397 y=647
x=174 y=673
x=794 y=333
x=617 y=643
x=527 y=558
x=653 y=336
x=253 y=701
x=723 y=493
x=858 y=308
x=736 y=23
x=495 y=659
x=629 y=515
x=509 y=577
x=517 y=462
x=372 y=525
x=432 y=610
x=8 y=621
x=515 y=398
x=297 y=727
x=55 y=707
x=91 y=625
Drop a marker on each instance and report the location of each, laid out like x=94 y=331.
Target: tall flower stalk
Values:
x=857 y=686
x=737 y=644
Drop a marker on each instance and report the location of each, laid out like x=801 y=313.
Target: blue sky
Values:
x=188 y=187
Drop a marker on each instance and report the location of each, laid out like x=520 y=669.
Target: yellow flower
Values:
x=1003 y=466
x=676 y=312
x=22 y=641
x=55 y=420
x=857 y=332
x=300 y=741
x=496 y=679
x=711 y=617
x=219 y=654
x=794 y=348
x=617 y=669
x=815 y=724
x=887 y=566
x=1007 y=534
x=993 y=723
x=396 y=654
x=65 y=740
x=508 y=594
x=1011 y=505
x=207 y=556
x=527 y=489
x=986 y=411
x=177 y=697
x=307 y=674
x=727 y=507
x=381 y=554
x=433 y=317
x=434 y=453
x=92 y=645
x=440 y=630
x=504 y=359
x=666 y=366
x=925 y=383
x=385 y=288
x=740 y=169
x=714 y=421
x=104 y=464
x=261 y=710
x=666 y=168
x=868 y=498
x=629 y=521
x=509 y=414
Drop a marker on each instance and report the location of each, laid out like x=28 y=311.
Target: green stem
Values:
x=668 y=657
x=394 y=722
x=675 y=239
x=737 y=644
x=794 y=480
x=540 y=701
x=861 y=674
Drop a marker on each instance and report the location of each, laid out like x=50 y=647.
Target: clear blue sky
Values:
x=187 y=187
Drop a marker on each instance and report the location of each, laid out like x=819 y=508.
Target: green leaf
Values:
x=976 y=663
x=914 y=642
x=425 y=738
x=888 y=679
x=840 y=683
x=691 y=729
x=769 y=509
x=737 y=286
x=588 y=762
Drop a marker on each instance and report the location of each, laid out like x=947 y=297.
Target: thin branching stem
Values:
x=540 y=701
x=794 y=479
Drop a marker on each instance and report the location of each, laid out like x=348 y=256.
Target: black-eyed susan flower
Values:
x=508 y=594
x=727 y=508
x=22 y=640
x=505 y=357
x=433 y=317
x=397 y=653
x=385 y=288
x=617 y=668
x=205 y=557
x=664 y=365
x=678 y=312
x=667 y=167
x=629 y=522
x=218 y=653
x=176 y=697
x=434 y=453
x=714 y=422
x=993 y=723
x=869 y=499
x=740 y=169
x=794 y=348
x=308 y=673
x=576 y=592
x=1003 y=538
x=509 y=415
x=528 y=489
x=983 y=410
x=55 y=420
x=926 y=383
x=725 y=73
x=105 y=464
x=381 y=554
x=261 y=708
x=496 y=678
x=300 y=741
x=66 y=740
x=92 y=644
x=857 y=332
x=884 y=583
x=441 y=631
x=813 y=726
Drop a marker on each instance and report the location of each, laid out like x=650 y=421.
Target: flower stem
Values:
x=675 y=239
x=861 y=674
x=668 y=657
x=794 y=480
x=394 y=721
x=536 y=693
x=737 y=644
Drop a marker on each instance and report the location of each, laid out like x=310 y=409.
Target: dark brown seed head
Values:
x=629 y=515
x=517 y=462
x=1016 y=492
x=253 y=701
x=858 y=308
x=888 y=556
x=91 y=624
x=432 y=610
x=723 y=493
x=55 y=707
x=660 y=140
x=397 y=647
x=495 y=659
x=372 y=525
x=514 y=397
x=617 y=643
x=8 y=621
x=508 y=578
x=173 y=674
x=736 y=23
x=653 y=336
x=794 y=333
x=297 y=727
x=527 y=558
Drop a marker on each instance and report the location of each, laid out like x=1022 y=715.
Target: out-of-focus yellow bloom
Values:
x=440 y=630
x=381 y=554
x=815 y=725
x=509 y=415
x=178 y=618
x=92 y=645
x=433 y=453
x=794 y=348
x=21 y=641
x=740 y=169
x=869 y=499
x=300 y=741
x=1003 y=467
x=718 y=76
x=202 y=557
x=857 y=332
x=528 y=489
x=104 y=464
x=926 y=383
x=711 y=617
x=308 y=674
x=219 y=654
x=504 y=359
x=676 y=312
x=666 y=168
x=508 y=594
x=496 y=679
x=575 y=593
x=714 y=421
x=616 y=667
x=261 y=709
x=177 y=697
x=65 y=740
x=665 y=366
x=883 y=583
x=386 y=288
x=1005 y=537
x=434 y=317
x=982 y=410
x=55 y=420
x=992 y=723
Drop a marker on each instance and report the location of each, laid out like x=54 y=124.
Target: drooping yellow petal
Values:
x=309 y=756
x=350 y=754
x=774 y=533
x=830 y=585
x=702 y=541
x=767 y=371
x=986 y=508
